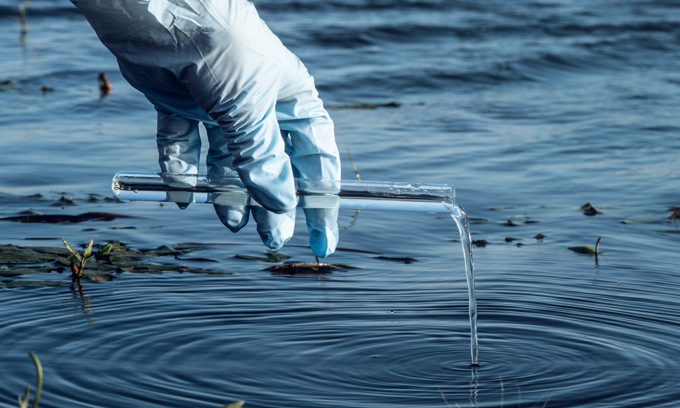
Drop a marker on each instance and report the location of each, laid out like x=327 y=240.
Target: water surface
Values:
x=530 y=108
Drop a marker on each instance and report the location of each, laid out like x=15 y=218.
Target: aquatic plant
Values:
x=588 y=250
x=23 y=401
x=78 y=261
x=110 y=259
x=234 y=405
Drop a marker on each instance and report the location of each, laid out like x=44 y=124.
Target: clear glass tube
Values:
x=371 y=195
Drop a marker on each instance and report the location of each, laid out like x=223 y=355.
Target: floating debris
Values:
x=7 y=84
x=272 y=257
x=539 y=236
x=590 y=210
x=404 y=259
x=302 y=268
x=196 y=259
x=64 y=202
x=365 y=105
x=479 y=243
x=104 y=84
x=31 y=217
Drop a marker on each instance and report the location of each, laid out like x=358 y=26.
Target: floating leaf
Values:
x=404 y=259
x=583 y=249
x=104 y=250
x=302 y=268
x=588 y=250
x=234 y=405
x=64 y=218
x=479 y=243
x=272 y=257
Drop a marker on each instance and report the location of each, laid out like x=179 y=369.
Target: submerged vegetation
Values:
x=25 y=399
x=588 y=250
x=102 y=265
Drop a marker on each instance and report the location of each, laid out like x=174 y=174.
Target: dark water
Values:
x=531 y=108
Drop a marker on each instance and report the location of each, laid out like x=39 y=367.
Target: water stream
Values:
x=460 y=217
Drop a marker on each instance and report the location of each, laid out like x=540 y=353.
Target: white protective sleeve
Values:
x=216 y=62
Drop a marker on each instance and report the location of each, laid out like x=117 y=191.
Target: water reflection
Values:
x=474 y=387
x=82 y=302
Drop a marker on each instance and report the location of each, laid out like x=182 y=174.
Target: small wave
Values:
x=360 y=5
x=353 y=36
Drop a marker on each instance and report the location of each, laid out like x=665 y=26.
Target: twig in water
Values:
x=444 y=398
x=354 y=166
x=356 y=172
x=22 y=18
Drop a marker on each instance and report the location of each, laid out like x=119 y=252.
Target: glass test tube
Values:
x=351 y=194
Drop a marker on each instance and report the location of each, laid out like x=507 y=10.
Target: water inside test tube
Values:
x=382 y=196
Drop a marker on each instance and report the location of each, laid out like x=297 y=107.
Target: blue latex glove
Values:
x=216 y=62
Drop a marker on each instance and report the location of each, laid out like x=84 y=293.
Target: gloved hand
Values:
x=216 y=63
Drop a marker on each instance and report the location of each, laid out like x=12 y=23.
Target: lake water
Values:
x=530 y=108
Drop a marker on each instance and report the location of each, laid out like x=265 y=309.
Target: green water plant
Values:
x=23 y=401
x=588 y=250
x=78 y=261
x=234 y=405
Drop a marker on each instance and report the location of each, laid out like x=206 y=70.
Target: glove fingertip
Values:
x=276 y=239
x=233 y=218
x=274 y=229
x=323 y=243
